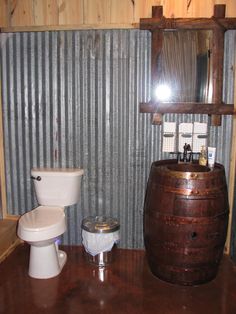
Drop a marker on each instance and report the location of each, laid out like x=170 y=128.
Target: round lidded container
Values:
x=99 y=235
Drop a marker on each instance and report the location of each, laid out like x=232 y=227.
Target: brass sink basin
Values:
x=188 y=167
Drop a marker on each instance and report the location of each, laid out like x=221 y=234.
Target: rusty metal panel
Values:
x=71 y=99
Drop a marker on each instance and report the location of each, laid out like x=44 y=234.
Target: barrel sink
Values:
x=185 y=221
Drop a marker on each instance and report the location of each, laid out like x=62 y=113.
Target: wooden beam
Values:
x=232 y=171
x=157 y=12
x=3 y=204
x=217 y=62
x=157 y=37
x=198 y=108
x=187 y=23
x=67 y=27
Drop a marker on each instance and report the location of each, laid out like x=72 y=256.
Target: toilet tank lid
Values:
x=57 y=171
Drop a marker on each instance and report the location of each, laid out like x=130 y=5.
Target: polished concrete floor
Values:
x=126 y=286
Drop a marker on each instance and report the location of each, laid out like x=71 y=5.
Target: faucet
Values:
x=187 y=157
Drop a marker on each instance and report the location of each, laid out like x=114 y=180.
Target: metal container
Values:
x=100 y=225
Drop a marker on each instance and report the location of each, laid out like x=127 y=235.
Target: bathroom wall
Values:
x=71 y=99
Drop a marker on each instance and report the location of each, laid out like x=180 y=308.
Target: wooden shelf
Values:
x=197 y=108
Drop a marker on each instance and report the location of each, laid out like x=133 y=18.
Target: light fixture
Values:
x=162 y=92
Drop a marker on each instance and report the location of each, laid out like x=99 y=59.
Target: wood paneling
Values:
x=97 y=11
x=174 y=8
x=21 y=12
x=100 y=12
x=70 y=12
x=122 y=11
x=45 y=12
x=231 y=8
x=143 y=8
x=3 y=13
x=195 y=8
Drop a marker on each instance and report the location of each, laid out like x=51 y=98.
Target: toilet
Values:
x=41 y=227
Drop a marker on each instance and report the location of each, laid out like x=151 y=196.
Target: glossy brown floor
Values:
x=126 y=286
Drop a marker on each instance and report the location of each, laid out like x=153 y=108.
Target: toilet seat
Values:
x=42 y=223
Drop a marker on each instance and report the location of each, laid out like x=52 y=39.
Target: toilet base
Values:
x=46 y=261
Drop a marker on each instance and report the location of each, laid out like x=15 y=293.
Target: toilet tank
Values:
x=60 y=187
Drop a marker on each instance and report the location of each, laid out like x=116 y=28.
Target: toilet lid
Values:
x=42 y=218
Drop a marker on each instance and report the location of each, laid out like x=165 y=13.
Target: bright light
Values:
x=163 y=92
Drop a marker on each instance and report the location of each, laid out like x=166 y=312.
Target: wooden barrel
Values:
x=185 y=221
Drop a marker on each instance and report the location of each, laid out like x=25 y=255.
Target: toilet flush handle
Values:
x=38 y=178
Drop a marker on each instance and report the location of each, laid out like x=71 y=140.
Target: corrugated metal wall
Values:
x=71 y=99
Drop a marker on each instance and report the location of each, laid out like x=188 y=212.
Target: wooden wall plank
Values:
x=92 y=12
x=201 y=8
x=45 y=12
x=122 y=11
x=4 y=13
x=21 y=13
x=143 y=8
x=230 y=8
x=231 y=187
x=97 y=11
x=70 y=12
x=173 y=8
x=188 y=8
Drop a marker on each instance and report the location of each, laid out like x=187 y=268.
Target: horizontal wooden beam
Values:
x=187 y=23
x=197 y=108
x=67 y=27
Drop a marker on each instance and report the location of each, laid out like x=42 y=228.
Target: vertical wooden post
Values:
x=232 y=170
x=157 y=12
x=3 y=203
x=217 y=63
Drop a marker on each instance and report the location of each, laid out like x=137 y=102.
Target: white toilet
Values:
x=41 y=227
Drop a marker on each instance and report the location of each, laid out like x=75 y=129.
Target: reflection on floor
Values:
x=125 y=286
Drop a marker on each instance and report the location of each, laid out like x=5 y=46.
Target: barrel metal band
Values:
x=191 y=192
x=183 y=220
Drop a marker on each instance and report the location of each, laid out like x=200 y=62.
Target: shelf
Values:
x=195 y=108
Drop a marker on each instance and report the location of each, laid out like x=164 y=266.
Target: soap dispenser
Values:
x=203 y=156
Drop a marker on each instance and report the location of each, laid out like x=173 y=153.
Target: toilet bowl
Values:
x=41 y=227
